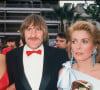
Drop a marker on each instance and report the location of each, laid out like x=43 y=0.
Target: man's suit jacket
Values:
x=53 y=59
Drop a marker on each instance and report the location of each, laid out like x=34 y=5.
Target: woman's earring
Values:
x=94 y=56
x=71 y=57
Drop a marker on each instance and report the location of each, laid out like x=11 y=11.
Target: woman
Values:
x=84 y=46
x=4 y=81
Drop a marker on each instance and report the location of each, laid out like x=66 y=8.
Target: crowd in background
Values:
x=10 y=43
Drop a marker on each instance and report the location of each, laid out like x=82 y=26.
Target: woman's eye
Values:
x=85 y=41
x=73 y=41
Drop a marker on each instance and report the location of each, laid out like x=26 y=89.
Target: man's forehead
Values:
x=33 y=26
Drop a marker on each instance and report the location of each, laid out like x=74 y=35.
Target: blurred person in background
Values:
x=10 y=42
x=4 y=80
x=61 y=40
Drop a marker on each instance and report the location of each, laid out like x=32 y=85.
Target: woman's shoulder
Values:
x=2 y=58
x=60 y=71
x=66 y=66
x=2 y=65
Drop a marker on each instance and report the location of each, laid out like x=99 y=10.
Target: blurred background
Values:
x=58 y=14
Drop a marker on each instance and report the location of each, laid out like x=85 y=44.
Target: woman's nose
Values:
x=78 y=45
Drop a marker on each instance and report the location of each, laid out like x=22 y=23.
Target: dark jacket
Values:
x=53 y=59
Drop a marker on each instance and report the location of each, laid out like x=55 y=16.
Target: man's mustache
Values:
x=33 y=38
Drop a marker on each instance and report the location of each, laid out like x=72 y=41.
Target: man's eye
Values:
x=38 y=29
x=61 y=40
x=56 y=40
x=29 y=29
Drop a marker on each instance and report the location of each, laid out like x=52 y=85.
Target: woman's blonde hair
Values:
x=90 y=28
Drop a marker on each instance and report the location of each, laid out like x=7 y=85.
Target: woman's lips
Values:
x=78 y=53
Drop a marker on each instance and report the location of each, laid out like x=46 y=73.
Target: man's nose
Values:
x=33 y=32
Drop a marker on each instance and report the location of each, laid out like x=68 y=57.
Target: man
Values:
x=61 y=41
x=36 y=70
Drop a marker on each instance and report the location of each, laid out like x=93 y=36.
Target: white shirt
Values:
x=33 y=67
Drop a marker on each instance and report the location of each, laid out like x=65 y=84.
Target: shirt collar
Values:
x=29 y=49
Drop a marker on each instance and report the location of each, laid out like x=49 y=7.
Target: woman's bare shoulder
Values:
x=61 y=70
x=2 y=58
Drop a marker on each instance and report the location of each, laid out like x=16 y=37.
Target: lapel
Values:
x=46 y=70
x=21 y=75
